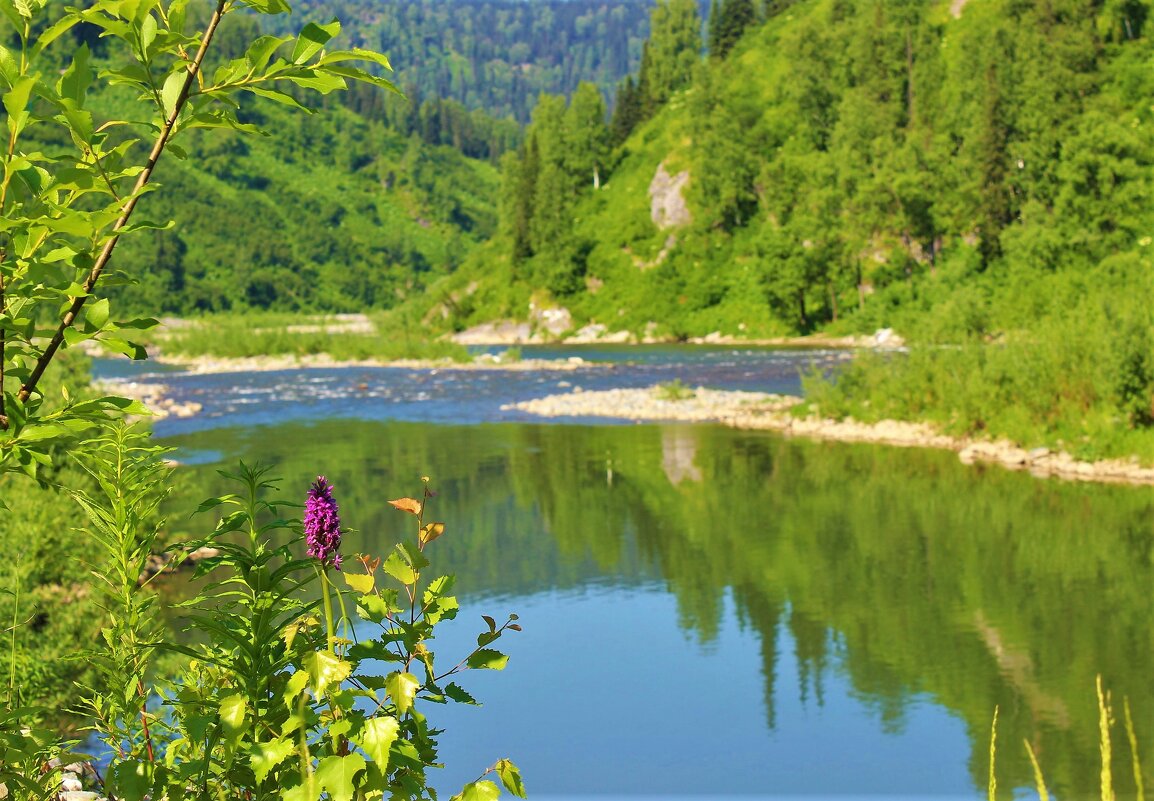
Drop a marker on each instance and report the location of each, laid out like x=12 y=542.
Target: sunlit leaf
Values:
x=478 y=791
x=324 y=668
x=266 y=756
x=431 y=531
x=399 y=569
x=511 y=778
x=407 y=505
x=295 y=686
x=402 y=688
x=376 y=738
x=337 y=774
x=487 y=659
x=360 y=582
x=312 y=38
x=233 y=710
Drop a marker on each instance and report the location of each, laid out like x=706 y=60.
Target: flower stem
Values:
x=328 y=608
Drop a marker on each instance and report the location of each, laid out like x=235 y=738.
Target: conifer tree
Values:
x=674 y=46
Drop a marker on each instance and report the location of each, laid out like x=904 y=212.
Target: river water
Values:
x=710 y=612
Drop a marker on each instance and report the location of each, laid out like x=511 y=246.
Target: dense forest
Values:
x=495 y=55
x=851 y=162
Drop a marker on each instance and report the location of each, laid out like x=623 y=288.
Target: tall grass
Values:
x=1106 y=722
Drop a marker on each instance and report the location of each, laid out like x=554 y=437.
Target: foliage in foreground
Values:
x=283 y=698
x=272 y=705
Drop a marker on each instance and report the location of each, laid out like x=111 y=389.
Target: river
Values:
x=715 y=612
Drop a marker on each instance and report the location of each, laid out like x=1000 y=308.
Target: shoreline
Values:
x=214 y=365
x=744 y=410
x=761 y=412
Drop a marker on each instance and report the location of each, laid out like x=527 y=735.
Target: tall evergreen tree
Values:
x=734 y=16
x=674 y=46
x=626 y=112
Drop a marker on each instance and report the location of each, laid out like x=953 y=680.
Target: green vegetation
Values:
x=970 y=175
x=674 y=390
x=384 y=336
x=268 y=704
x=496 y=55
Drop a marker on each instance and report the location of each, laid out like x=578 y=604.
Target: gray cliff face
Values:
x=667 y=204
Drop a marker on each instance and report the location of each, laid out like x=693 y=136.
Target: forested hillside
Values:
x=954 y=169
x=496 y=55
x=340 y=211
x=340 y=214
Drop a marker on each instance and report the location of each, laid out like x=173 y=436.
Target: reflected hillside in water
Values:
x=903 y=571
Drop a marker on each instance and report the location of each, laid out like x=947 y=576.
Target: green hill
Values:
x=969 y=173
x=860 y=163
x=340 y=215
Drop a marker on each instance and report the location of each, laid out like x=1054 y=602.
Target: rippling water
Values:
x=447 y=395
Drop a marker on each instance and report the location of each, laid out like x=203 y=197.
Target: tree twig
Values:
x=126 y=210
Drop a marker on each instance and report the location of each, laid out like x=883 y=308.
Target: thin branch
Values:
x=126 y=210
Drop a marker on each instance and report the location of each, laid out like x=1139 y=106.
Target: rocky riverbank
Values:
x=204 y=365
x=752 y=410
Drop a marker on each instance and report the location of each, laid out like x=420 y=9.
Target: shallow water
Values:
x=714 y=612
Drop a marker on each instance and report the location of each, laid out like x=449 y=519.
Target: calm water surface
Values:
x=712 y=612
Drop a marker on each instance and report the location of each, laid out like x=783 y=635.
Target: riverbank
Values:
x=758 y=411
x=207 y=365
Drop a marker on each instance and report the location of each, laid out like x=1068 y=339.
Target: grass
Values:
x=355 y=337
x=674 y=390
x=1106 y=720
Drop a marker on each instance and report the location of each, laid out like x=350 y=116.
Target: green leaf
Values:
x=402 y=688
x=336 y=774
x=324 y=668
x=511 y=778
x=266 y=756
x=269 y=6
x=478 y=791
x=279 y=97
x=487 y=659
x=147 y=32
x=399 y=568
x=312 y=38
x=132 y=350
x=233 y=711
x=376 y=608
x=262 y=49
x=16 y=101
x=170 y=92
x=360 y=582
x=129 y=780
x=9 y=65
x=356 y=54
x=458 y=694
x=323 y=82
x=309 y=791
x=376 y=737
x=97 y=313
x=77 y=78
x=294 y=687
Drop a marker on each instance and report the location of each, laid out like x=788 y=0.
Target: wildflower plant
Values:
x=273 y=704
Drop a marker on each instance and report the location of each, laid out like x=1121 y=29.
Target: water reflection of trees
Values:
x=928 y=577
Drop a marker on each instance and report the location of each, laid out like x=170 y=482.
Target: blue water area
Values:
x=447 y=395
x=605 y=691
x=718 y=613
